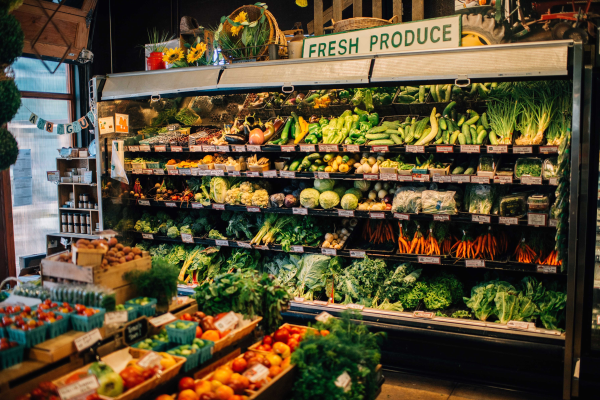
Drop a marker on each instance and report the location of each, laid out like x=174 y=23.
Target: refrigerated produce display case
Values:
x=419 y=171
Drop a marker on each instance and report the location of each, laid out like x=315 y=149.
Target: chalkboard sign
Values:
x=135 y=331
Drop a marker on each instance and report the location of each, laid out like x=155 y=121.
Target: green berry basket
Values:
x=67 y=316
x=58 y=327
x=206 y=351
x=192 y=360
x=132 y=314
x=28 y=338
x=3 y=333
x=85 y=324
x=148 y=310
x=159 y=346
x=12 y=356
x=182 y=336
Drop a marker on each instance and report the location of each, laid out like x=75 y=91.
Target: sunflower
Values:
x=302 y=3
x=196 y=52
x=241 y=17
x=173 y=55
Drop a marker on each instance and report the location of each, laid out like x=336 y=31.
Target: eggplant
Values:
x=235 y=139
x=246 y=132
x=277 y=124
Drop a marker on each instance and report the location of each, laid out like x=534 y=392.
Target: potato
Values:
x=126 y=249
x=136 y=251
x=112 y=242
x=105 y=262
x=137 y=257
x=119 y=246
x=129 y=257
x=91 y=246
x=122 y=260
x=120 y=254
x=102 y=242
x=82 y=242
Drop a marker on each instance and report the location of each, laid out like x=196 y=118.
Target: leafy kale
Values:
x=360 y=282
x=240 y=225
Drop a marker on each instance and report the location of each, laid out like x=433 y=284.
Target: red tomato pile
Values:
x=85 y=311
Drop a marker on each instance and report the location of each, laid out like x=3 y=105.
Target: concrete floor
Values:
x=414 y=387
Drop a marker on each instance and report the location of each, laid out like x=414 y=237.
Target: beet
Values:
x=290 y=201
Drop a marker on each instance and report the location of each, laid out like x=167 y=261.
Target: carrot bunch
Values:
x=524 y=253
x=378 y=232
x=463 y=249
x=445 y=246
x=403 y=241
x=552 y=259
x=418 y=245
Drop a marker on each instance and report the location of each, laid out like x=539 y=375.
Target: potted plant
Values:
x=156 y=47
x=159 y=282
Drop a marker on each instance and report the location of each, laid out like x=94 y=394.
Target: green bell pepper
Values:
x=323 y=121
x=360 y=112
x=344 y=94
x=368 y=100
x=374 y=119
x=386 y=99
x=365 y=126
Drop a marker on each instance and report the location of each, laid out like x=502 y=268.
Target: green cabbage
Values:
x=362 y=185
x=218 y=189
x=355 y=192
x=323 y=185
x=309 y=198
x=340 y=190
x=349 y=202
x=329 y=199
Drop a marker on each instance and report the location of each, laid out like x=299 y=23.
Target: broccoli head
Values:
x=186 y=229
x=173 y=232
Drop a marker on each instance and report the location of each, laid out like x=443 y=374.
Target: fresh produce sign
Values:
x=438 y=33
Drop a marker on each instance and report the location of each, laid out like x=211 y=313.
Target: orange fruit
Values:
x=211 y=335
x=274 y=371
x=215 y=384
x=187 y=394
x=202 y=387
x=224 y=392
x=222 y=375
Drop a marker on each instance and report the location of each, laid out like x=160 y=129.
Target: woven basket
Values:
x=352 y=24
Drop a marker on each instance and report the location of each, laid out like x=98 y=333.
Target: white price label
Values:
x=177 y=149
x=87 y=340
x=442 y=178
x=508 y=220
x=287 y=174
x=344 y=382
x=253 y=148
x=345 y=213
x=134 y=148
x=415 y=149
x=380 y=149
x=185 y=171
x=444 y=149
x=552 y=222
x=548 y=149
x=329 y=252
x=288 y=149
x=53 y=176
x=424 y=314
x=553 y=181
x=470 y=148
x=299 y=211
x=270 y=174
x=483 y=180
x=234 y=173
x=371 y=177
x=498 y=149
x=148 y=171
x=377 y=215
x=164 y=319
x=203 y=172
x=187 y=238
x=223 y=149
x=503 y=179
x=299 y=299
x=531 y=180
x=197 y=205
x=429 y=260
x=522 y=149
x=308 y=148
x=217 y=172
x=253 y=174
x=547 y=269
x=227 y=322
x=173 y=172
x=354 y=148
x=244 y=245
x=220 y=242
x=115 y=317
x=421 y=177
x=322 y=175
x=208 y=148
x=149 y=360
x=405 y=178
x=160 y=149
x=170 y=204
x=147 y=236
x=253 y=209
x=324 y=316
x=520 y=325
x=482 y=219
x=534 y=219
x=329 y=148
x=403 y=217
x=388 y=177
x=144 y=202
x=441 y=217
x=461 y=178
x=137 y=171
x=217 y=206
x=297 y=249
x=80 y=389
x=358 y=254
x=238 y=148
x=475 y=263
x=145 y=147
x=257 y=373
x=358 y=307
x=159 y=171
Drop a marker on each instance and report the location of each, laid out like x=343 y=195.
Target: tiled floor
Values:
x=405 y=386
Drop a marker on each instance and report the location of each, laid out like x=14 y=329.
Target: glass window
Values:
x=32 y=76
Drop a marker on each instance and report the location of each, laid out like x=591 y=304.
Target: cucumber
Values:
x=470 y=171
x=493 y=138
x=433 y=93
x=322 y=168
x=446 y=137
x=377 y=129
x=473 y=89
x=405 y=98
x=481 y=137
x=421 y=94
x=313 y=156
x=438 y=93
x=448 y=109
x=461 y=121
x=462 y=138
x=439 y=134
x=391 y=132
x=448 y=90
x=443 y=125
x=410 y=134
x=421 y=127
x=381 y=142
x=480 y=128
x=412 y=89
x=305 y=163
x=401 y=132
x=474 y=136
x=396 y=138
x=439 y=141
x=466 y=133
x=376 y=136
x=454 y=136
x=407 y=120
x=391 y=124
x=484 y=121
x=483 y=91
x=458 y=170
x=314 y=168
x=472 y=120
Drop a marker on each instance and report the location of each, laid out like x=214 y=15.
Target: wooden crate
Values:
x=58 y=348
x=88 y=257
x=286 y=325
x=236 y=335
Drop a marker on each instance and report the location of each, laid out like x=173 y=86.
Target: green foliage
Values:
x=12 y=38
x=243 y=260
x=10 y=100
x=443 y=290
x=173 y=232
x=240 y=225
x=8 y=148
x=360 y=281
x=161 y=278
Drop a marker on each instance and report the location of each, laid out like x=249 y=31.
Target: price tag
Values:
x=287 y=174
x=371 y=177
x=535 y=219
x=297 y=249
x=253 y=174
x=115 y=318
x=169 y=204
x=503 y=179
x=345 y=213
x=80 y=389
x=484 y=180
x=429 y=260
x=553 y=222
x=522 y=149
x=134 y=331
x=144 y=202
x=134 y=148
x=253 y=209
x=257 y=373
x=217 y=206
x=159 y=171
x=197 y=205
x=405 y=178
x=299 y=299
x=187 y=238
x=270 y=174
x=227 y=322
x=53 y=176
x=401 y=216
x=324 y=316
x=221 y=242
x=203 y=172
x=380 y=149
x=208 y=148
x=87 y=340
x=415 y=149
x=442 y=178
x=329 y=148
x=547 y=269
x=475 y=263
x=320 y=302
x=234 y=173
x=299 y=211
x=423 y=314
x=461 y=178
x=147 y=236
x=177 y=149
x=470 y=148
x=388 y=177
x=308 y=148
x=377 y=215
x=244 y=245
x=173 y=172
x=148 y=171
x=354 y=148
x=322 y=175
x=253 y=148
x=358 y=254
x=217 y=172
x=531 y=180
x=444 y=149
x=520 y=325
x=223 y=149
x=288 y=149
x=421 y=177
x=164 y=319
x=498 y=149
x=441 y=217
x=185 y=171
x=482 y=219
x=160 y=149
x=328 y=252
x=344 y=382
x=548 y=149
x=145 y=147
x=238 y=148
x=137 y=171
x=149 y=360
x=553 y=181
x=508 y=220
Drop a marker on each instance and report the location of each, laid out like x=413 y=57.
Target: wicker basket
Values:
x=353 y=24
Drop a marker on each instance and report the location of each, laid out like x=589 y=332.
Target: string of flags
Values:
x=61 y=129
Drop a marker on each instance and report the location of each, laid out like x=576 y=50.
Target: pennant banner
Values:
x=84 y=122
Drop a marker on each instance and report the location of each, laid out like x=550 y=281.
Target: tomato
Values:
x=186 y=383
x=296 y=336
x=293 y=343
x=221 y=315
x=267 y=347
x=80 y=308
x=324 y=332
x=239 y=365
x=281 y=335
x=186 y=317
x=294 y=330
x=131 y=377
x=75 y=377
x=267 y=340
x=198 y=332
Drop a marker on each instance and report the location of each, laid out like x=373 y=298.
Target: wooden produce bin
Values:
x=236 y=335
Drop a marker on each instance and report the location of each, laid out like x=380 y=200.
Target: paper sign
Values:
x=461 y=178
x=380 y=149
x=299 y=299
x=358 y=307
x=377 y=215
x=503 y=179
x=299 y=211
x=322 y=175
x=288 y=149
x=358 y=254
x=482 y=219
x=444 y=149
x=145 y=147
x=329 y=148
x=405 y=178
x=257 y=373
x=148 y=171
x=196 y=148
x=227 y=322
x=353 y=148
x=217 y=172
x=415 y=149
x=508 y=220
x=297 y=249
x=320 y=302
x=245 y=245
x=344 y=382
x=287 y=174
x=87 y=340
x=254 y=174
x=547 y=269
x=400 y=216
x=423 y=314
x=80 y=389
x=217 y=206
x=553 y=222
x=470 y=148
x=498 y=149
x=209 y=148
x=107 y=125
x=159 y=171
x=531 y=180
x=171 y=204
x=371 y=177
x=253 y=148
x=548 y=149
x=388 y=177
x=147 y=236
x=308 y=148
x=122 y=125
x=160 y=148
x=520 y=325
x=270 y=174
x=475 y=263
x=185 y=171
x=553 y=181
x=116 y=317
x=223 y=149
x=173 y=172
x=522 y=149
x=238 y=148
x=219 y=242
x=534 y=219
x=164 y=319
x=177 y=149
x=421 y=177
x=345 y=213
x=187 y=238
x=144 y=202
x=149 y=360
x=442 y=178
x=441 y=217
x=429 y=260
x=328 y=252
x=324 y=316
x=253 y=209
x=483 y=180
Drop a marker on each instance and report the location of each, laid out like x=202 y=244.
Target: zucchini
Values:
x=466 y=133
x=391 y=132
x=472 y=120
x=458 y=170
x=294 y=165
x=313 y=156
x=376 y=136
x=421 y=94
x=454 y=136
x=314 y=168
x=493 y=138
x=439 y=134
x=322 y=168
x=439 y=141
x=443 y=124
x=405 y=98
x=481 y=137
x=470 y=171
x=396 y=138
x=446 y=137
x=381 y=142
x=461 y=138
x=484 y=121
x=448 y=109
x=305 y=163
x=391 y=124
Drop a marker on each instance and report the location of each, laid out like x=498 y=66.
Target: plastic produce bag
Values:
x=481 y=199
x=408 y=199
x=434 y=202
x=117 y=162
